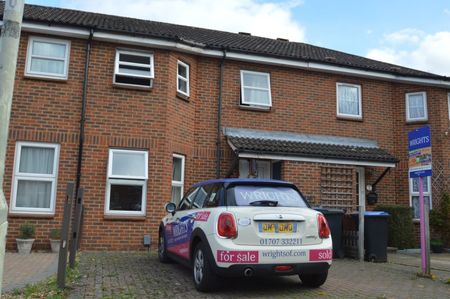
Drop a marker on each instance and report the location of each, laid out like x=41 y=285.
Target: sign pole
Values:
x=420 y=166
x=423 y=252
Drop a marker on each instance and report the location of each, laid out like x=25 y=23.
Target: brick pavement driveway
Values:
x=140 y=275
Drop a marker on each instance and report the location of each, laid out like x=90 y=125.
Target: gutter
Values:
x=219 y=116
x=83 y=108
x=188 y=47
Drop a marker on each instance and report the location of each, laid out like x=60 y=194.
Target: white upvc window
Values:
x=348 y=98
x=126 y=190
x=255 y=89
x=414 y=195
x=183 y=78
x=133 y=68
x=48 y=58
x=448 y=102
x=416 y=106
x=177 y=178
x=35 y=178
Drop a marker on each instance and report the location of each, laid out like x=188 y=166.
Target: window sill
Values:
x=30 y=215
x=125 y=217
x=45 y=78
x=182 y=96
x=255 y=108
x=349 y=118
x=417 y=122
x=141 y=88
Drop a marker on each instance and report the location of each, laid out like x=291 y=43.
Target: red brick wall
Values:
x=162 y=123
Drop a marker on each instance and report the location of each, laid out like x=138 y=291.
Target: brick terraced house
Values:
x=136 y=111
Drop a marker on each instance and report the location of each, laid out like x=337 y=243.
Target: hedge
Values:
x=401 y=227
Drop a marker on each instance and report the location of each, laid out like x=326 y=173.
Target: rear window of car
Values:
x=264 y=196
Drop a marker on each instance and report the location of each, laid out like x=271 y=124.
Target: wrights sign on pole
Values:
x=420 y=166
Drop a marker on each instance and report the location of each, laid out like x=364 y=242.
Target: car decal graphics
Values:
x=202 y=216
x=237 y=257
x=320 y=255
x=178 y=234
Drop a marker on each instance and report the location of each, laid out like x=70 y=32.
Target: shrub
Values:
x=440 y=219
x=55 y=234
x=400 y=226
x=27 y=231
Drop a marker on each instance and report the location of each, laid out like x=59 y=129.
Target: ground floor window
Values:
x=127 y=182
x=414 y=195
x=34 y=180
x=177 y=178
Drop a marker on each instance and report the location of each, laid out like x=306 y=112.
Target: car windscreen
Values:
x=255 y=195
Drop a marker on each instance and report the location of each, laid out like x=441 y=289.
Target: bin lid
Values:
x=327 y=211
x=373 y=214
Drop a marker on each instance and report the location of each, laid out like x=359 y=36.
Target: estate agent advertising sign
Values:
x=419 y=146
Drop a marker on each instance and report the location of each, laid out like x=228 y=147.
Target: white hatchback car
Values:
x=243 y=228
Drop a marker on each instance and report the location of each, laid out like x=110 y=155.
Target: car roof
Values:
x=237 y=181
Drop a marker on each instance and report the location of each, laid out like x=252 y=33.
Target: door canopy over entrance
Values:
x=257 y=144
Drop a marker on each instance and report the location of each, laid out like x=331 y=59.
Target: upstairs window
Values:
x=348 y=100
x=448 y=101
x=177 y=178
x=34 y=182
x=127 y=182
x=183 y=78
x=134 y=69
x=255 y=89
x=416 y=107
x=47 y=57
x=414 y=195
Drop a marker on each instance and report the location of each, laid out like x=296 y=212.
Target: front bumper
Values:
x=269 y=269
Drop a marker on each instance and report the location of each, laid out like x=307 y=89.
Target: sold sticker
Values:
x=237 y=257
x=202 y=216
x=320 y=255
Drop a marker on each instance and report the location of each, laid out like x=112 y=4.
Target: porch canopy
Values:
x=257 y=144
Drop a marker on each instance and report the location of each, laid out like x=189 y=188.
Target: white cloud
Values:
x=269 y=18
x=447 y=11
x=408 y=35
x=429 y=53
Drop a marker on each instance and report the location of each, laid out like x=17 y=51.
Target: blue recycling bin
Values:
x=375 y=235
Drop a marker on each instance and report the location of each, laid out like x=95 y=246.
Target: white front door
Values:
x=361 y=196
x=262 y=171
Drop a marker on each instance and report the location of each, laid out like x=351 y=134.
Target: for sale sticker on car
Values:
x=320 y=255
x=237 y=257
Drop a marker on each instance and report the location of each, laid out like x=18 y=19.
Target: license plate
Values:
x=277 y=227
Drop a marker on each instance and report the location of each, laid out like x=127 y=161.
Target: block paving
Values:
x=20 y=270
x=140 y=275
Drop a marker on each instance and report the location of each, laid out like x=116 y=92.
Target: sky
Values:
x=412 y=33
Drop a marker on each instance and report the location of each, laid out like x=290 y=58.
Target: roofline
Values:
x=314 y=160
x=77 y=32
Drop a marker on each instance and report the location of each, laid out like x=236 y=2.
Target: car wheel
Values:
x=204 y=278
x=313 y=280
x=162 y=252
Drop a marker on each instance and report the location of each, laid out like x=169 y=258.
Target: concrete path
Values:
x=21 y=270
x=140 y=275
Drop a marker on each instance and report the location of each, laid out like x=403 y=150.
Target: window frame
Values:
x=345 y=115
x=425 y=107
x=186 y=79
x=30 y=73
x=448 y=104
x=125 y=180
x=179 y=183
x=413 y=193
x=17 y=175
x=269 y=89
x=117 y=63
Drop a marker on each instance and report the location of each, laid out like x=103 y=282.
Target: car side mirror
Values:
x=170 y=207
